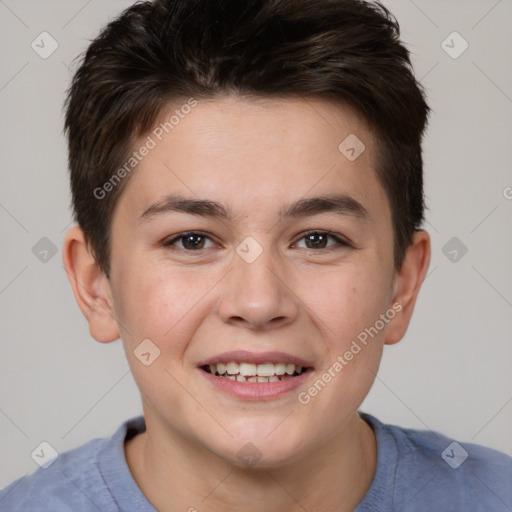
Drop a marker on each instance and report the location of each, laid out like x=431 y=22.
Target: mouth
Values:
x=255 y=373
x=252 y=376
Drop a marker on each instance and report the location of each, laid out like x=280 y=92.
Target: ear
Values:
x=407 y=285
x=90 y=286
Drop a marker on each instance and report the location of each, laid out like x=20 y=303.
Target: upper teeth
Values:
x=253 y=370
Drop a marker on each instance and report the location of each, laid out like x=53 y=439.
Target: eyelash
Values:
x=340 y=242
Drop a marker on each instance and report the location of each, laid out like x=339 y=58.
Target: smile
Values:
x=250 y=372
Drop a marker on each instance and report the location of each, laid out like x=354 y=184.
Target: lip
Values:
x=243 y=356
x=255 y=390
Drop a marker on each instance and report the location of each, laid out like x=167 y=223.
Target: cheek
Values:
x=142 y=301
x=354 y=345
x=162 y=303
x=153 y=306
x=348 y=300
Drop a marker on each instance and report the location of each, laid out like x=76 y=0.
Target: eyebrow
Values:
x=340 y=204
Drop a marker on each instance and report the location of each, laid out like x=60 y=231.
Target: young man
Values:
x=247 y=183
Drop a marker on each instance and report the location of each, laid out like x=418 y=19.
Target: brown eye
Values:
x=319 y=240
x=316 y=240
x=189 y=241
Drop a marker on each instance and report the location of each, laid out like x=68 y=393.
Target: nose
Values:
x=258 y=295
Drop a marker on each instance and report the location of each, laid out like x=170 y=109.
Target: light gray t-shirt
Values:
x=417 y=471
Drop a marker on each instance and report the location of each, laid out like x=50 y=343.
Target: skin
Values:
x=254 y=156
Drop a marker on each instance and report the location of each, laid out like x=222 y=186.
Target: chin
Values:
x=263 y=448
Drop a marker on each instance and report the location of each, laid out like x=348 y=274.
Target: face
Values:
x=254 y=280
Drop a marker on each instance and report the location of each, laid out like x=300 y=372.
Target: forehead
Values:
x=250 y=154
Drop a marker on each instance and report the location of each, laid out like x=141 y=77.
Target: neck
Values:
x=333 y=477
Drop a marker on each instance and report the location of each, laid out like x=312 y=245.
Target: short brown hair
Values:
x=154 y=53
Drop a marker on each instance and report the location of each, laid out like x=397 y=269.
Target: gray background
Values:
x=453 y=370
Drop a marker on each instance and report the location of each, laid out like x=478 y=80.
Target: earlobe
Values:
x=408 y=283
x=90 y=286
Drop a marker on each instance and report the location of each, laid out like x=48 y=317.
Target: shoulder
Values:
x=58 y=487
x=73 y=481
x=453 y=475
